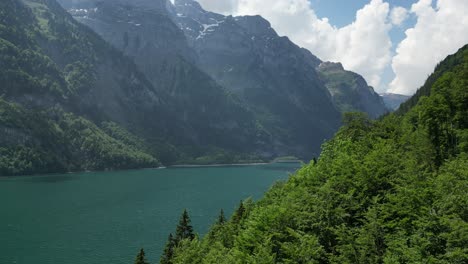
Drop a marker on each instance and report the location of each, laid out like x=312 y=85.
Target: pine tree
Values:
x=184 y=228
x=140 y=259
x=168 y=253
x=221 y=218
x=239 y=213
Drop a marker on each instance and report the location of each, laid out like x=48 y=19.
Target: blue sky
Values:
x=343 y=12
x=394 y=44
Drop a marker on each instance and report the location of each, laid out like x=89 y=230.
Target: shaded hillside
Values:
x=349 y=91
x=387 y=191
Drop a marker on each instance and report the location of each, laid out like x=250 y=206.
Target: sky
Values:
x=394 y=44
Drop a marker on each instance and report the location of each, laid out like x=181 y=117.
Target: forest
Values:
x=386 y=191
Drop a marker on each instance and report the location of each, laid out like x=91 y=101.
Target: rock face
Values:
x=349 y=90
x=276 y=78
x=143 y=30
x=393 y=101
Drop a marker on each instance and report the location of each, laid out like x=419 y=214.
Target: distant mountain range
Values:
x=160 y=83
x=393 y=101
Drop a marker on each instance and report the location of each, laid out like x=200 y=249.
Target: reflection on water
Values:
x=50 y=179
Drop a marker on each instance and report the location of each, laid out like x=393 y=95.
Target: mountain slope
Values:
x=245 y=55
x=279 y=85
x=38 y=132
x=276 y=78
x=387 y=191
x=143 y=31
x=349 y=90
x=56 y=67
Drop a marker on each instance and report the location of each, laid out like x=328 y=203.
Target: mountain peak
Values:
x=256 y=25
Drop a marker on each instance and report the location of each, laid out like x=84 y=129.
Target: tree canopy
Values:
x=386 y=191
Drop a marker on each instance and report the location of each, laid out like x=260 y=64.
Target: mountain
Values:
x=393 y=101
x=144 y=31
x=386 y=191
x=281 y=82
x=55 y=78
x=349 y=90
x=75 y=102
x=166 y=40
x=272 y=75
x=216 y=121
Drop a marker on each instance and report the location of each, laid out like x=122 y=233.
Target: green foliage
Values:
x=386 y=191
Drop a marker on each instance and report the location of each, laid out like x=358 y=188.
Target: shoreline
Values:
x=181 y=166
x=218 y=165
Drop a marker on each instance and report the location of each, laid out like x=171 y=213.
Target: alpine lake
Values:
x=106 y=217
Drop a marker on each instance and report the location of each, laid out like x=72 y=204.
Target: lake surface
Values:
x=105 y=217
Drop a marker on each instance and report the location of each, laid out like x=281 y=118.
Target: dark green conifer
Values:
x=184 y=228
x=239 y=213
x=221 y=218
x=168 y=253
x=140 y=259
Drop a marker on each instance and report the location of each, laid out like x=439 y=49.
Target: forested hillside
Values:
x=386 y=191
x=38 y=94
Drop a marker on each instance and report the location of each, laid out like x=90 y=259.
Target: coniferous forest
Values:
x=386 y=191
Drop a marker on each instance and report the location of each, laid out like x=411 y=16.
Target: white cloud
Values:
x=220 y=6
x=438 y=32
x=398 y=15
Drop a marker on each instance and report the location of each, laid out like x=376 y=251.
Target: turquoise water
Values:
x=105 y=217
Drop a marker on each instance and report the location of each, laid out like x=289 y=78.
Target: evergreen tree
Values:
x=168 y=253
x=221 y=218
x=140 y=259
x=239 y=213
x=184 y=228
